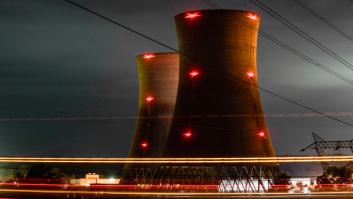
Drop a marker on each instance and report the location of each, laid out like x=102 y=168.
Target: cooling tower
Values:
x=158 y=83
x=216 y=114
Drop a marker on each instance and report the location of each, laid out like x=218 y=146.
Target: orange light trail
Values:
x=20 y=184
x=294 y=159
x=141 y=193
x=114 y=186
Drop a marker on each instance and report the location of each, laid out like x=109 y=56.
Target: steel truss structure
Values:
x=223 y=178
x=320 y=145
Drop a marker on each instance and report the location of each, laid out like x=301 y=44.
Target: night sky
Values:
x=57 y=61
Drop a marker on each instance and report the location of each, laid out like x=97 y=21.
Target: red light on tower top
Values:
x=148 y=56
x=144 y=145
x=192 y=15
x=252 y=16
x=149 y=98
x=194 y=73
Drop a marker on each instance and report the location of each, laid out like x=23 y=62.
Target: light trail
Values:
x=294 y=159
x=52 y=185
x=113 y=186
x=146 y=187
x=141 y=193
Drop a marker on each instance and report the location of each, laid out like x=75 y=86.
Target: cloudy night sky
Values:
x=58 y=61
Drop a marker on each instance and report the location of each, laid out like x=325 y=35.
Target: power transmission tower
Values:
x=320 y=146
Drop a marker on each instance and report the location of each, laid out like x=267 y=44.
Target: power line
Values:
x=211 y=4
x=206 y=65
x=169 y=116
x=285 y=46
x=301 y=33
x=321 y=18
x=197 y=160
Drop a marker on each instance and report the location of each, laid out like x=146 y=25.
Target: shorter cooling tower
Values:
x=158 y=81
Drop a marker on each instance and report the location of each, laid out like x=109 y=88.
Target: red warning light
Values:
x=149 y=98
x=144 y=145
x=194 y=73
x=250 y=74
x=149 y=56
x=252 y=16
x=261 y=134
x=187 y=135
x=192 y=15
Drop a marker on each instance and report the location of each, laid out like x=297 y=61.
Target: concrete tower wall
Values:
x=215 y=114
x=158 y=83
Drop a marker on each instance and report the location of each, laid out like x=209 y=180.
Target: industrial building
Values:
x=204 y=102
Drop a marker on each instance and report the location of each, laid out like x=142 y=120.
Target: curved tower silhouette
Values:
x=158 y=81
x=217 y=115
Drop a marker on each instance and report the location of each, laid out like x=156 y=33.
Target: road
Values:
x=38 y=193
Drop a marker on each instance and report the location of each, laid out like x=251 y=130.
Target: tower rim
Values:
x=157 y=54
x=182 y=14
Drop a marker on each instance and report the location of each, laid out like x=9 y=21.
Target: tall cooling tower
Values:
x=158 y=82
x=217 y=115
